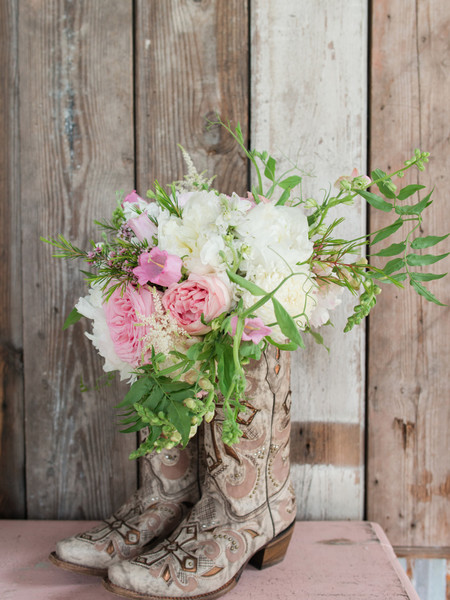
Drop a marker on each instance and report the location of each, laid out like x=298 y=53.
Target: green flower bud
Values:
x=205 y=384
x=209 y=416
x=391 y=186
x=190 y=403
x=176 y=437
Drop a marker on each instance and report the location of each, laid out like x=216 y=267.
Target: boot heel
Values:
x=275 y=551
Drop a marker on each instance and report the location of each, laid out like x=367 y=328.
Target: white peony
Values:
x=296 y=295
x=275 y=235
x=198 y=237
x=91 y=306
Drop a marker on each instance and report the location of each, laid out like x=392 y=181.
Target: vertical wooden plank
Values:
x=309 y=76
x=12 y=473
x=409 y=412
x=192 y=63
x=76 y=132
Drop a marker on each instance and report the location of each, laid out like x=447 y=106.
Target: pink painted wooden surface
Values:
x=339 y=559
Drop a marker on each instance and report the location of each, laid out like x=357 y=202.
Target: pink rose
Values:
x=123 y=313
x=199 y=295
x=143 y=227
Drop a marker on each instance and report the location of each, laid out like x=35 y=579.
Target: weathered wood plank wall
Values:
x=309 y=88
x=191 y=64
x=409 y=390
x=76 y=148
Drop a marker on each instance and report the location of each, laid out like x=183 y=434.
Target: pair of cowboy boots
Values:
x=246 y=511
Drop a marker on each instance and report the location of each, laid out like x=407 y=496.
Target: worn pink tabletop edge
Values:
x=339 y=559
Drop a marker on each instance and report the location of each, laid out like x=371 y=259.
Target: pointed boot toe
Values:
x=151 y=513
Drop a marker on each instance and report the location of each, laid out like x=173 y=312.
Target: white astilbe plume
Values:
x=165 y=333
x=193 y=180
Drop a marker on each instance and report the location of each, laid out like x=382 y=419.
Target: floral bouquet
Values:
x=190 y=284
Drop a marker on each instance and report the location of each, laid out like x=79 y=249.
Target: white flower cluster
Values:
x=271 y=240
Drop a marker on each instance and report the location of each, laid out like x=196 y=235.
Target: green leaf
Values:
x=375 y=201
x=427 y=241
x=318 y=339
x=269 y=171
x=283 y=198
x=414 y=209
x=175 y=386
x=382 y=185
x=290 y=182
x=399 y=276
x=289 y=347
x=180 y=417
x=194 y=351
x=416 y=260
x=426 y=276
x=153 y=399
x=244 y=283
x=250 y=350
x=136 y=427
x=394 y=265
x=137 y=391
x=409 y=190
x=387 y=231
x=420 y=289
x=74 y=317
x=287 y=324
x=225 y=367
x=391 y=250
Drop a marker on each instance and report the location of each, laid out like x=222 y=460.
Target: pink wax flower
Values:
x=143 y=227
x=199 y=295
x=254 y=329
x=158 y=266
x=123 y=312
x=132 y=198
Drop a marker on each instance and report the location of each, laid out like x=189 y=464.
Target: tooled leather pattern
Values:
x=170 y=479
x=247 y=497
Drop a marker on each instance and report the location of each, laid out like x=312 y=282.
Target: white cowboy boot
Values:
x=170 y=488
x=247 y=510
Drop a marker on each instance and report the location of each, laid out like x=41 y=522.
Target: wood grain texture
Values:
x=12 y=448
x=76 y=135
x=191 y=63
x=326 y=443
x=309 y=75
x=409 y=389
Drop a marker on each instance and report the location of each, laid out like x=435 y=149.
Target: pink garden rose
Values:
x=199 y=295
x=123 y=312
